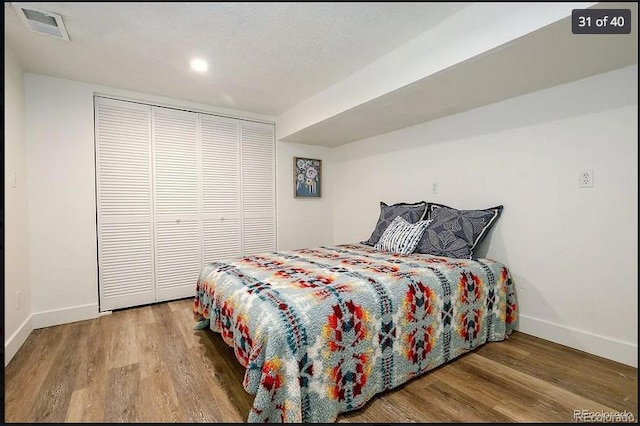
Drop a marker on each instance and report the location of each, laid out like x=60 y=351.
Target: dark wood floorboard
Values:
x=146 y=364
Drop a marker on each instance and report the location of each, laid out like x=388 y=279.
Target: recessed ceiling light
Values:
x=199 y=65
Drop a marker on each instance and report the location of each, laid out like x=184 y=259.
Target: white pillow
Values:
x=401 y=236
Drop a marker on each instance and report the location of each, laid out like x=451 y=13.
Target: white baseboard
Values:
x=65 y=315
x=17 y=339
x=606 y=347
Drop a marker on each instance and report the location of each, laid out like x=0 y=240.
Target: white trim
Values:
x=188 y=106
x=17 y=339
x=64 y=315
x=606 y=347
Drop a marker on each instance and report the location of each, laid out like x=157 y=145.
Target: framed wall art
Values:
x=307 y=177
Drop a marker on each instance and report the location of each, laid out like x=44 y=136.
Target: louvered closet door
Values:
x=177 y=203
x=258 y=187
x=221 y=187
x=123 y=178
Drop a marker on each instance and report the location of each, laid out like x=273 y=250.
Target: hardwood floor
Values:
x=146 y=364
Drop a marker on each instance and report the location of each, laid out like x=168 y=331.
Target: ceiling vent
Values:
x=41 y=22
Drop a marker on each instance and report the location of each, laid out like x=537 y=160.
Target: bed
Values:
x=320 y=331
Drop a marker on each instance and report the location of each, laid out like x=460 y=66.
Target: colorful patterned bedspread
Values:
x=321 y=331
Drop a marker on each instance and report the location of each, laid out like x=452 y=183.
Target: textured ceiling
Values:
x=545 y=58
x=263 y=57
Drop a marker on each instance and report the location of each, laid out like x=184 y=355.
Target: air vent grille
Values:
x=41 y=22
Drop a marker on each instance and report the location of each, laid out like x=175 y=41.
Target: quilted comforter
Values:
x=321 y=331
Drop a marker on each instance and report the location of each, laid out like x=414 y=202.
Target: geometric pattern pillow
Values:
x=411 y=212
x=455 y=233
x=401 y=236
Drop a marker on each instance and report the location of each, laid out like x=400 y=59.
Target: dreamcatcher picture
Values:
x=306 y=177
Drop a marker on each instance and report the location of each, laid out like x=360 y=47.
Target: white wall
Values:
x=17 y=307
x=303 y=222
x=572 y=251
x=61 y=195
x=62 y=218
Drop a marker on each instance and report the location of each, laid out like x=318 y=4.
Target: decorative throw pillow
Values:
x=411 y=212
x=401 y=236
x=455 y=233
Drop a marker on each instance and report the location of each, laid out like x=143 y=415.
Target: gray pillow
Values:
x=410 y=212
x=455 y=233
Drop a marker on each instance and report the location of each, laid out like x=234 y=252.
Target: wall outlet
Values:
x=17 y=300
x=585 y=179
x=434 y=188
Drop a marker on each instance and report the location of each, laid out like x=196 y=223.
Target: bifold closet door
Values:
x=258 y=187
x=176 y=189
x=177 y=202
x=124 y=204
x=221 y=187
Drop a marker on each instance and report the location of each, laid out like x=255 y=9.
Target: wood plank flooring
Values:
x=146 y=364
